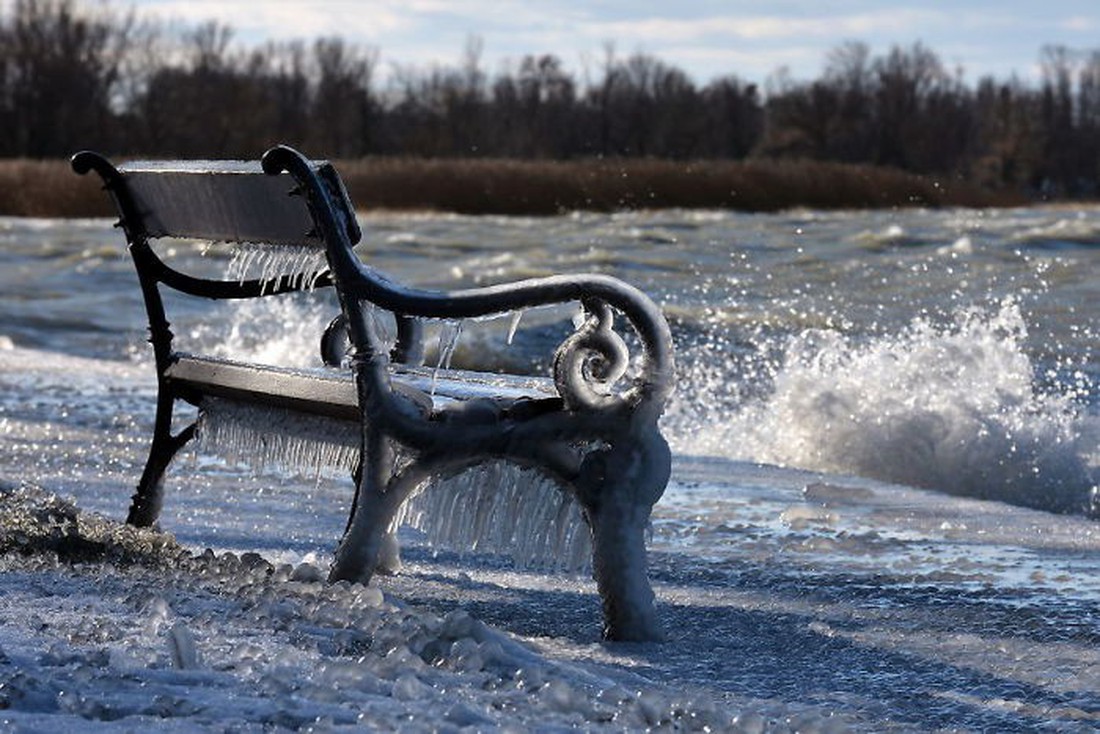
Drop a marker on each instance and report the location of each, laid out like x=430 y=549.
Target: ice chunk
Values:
x=185 y=656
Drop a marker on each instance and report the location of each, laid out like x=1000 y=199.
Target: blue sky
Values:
x=705 y=38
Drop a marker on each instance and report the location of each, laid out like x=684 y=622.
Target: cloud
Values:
x=770 y=27
x=299 y=19
x=706 y=38
x=1080 y=24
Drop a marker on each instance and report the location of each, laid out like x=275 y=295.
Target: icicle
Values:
x=268 y=263
x=380 y=327
x=513 y=325
x=448 y=341
x=498 y=508
x=266 y=438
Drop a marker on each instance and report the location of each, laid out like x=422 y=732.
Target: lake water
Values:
x=886 y=433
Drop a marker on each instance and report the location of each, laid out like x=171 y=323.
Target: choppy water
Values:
x=946 y=349
x=866 y=404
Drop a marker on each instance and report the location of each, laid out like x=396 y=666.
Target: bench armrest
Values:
x=594 y=342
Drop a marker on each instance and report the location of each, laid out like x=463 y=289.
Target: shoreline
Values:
x=49 y=188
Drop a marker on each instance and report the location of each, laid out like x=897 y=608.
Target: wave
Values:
x=954 y=407
x=1066 y=233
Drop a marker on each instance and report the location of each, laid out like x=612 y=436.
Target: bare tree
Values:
x=904 y=80
x=73 y=74
x=61 y=69
x=849 y=73
x=733 y=118
x=343 y=108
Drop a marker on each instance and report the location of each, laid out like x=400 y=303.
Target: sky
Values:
x=705 y=38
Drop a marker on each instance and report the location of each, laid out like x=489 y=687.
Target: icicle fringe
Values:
x=268 y=263
x=501 y=509
x=496 y=508
x=267 y=438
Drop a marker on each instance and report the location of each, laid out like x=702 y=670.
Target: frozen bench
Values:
x=592 y=428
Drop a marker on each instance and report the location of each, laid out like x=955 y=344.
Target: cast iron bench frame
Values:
x=596 y=434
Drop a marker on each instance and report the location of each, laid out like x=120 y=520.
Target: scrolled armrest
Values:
x=590 y=361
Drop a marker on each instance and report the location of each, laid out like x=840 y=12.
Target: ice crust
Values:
x=176 y=640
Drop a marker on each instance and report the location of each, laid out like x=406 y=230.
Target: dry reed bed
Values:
x=492 y=186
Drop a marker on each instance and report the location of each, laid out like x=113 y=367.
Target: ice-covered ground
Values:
x=794 y=601
x=107 y=628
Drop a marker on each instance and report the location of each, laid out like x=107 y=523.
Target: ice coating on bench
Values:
x=591 y=423
x=271 y=437
x=502 y=509
x=496 y=508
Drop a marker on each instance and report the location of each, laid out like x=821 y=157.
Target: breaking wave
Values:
x=954 y=407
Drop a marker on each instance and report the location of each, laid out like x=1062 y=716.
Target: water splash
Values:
x=949 y=406
x=501 y=509
x=282 y=331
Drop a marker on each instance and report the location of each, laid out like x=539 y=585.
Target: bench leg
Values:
x=149 y=497
x=368 y=544
x=618 y=488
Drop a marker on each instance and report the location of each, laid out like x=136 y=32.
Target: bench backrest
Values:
x=291 y=216
x=226 y=201
x=234 y=202
x=266 y=218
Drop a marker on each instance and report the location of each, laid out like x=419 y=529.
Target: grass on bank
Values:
x=495 y=186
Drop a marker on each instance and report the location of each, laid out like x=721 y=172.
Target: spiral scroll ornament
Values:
x=591 y=361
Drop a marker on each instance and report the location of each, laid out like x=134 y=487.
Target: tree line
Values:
x=75 y=75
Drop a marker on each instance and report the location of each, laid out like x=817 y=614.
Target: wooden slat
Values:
x=325 y=391
x=231 y=201
x=319 y=392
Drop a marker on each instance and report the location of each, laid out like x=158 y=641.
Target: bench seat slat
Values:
x=331 y=392
x=322 y=392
